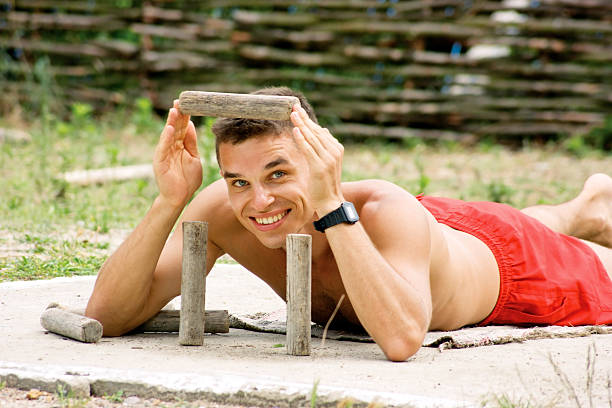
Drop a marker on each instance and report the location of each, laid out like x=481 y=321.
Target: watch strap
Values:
x=338 y=216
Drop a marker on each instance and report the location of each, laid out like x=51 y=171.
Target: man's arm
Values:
x=384 y=267
x=131 y=287
x=385 y=270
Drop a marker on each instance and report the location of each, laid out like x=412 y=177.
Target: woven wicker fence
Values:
x=444 y=69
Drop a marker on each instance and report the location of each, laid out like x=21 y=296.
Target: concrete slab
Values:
x=250 y=368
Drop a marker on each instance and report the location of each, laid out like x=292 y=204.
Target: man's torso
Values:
x=463 y=273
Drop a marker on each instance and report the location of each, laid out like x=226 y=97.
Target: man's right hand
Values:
x=176 y=162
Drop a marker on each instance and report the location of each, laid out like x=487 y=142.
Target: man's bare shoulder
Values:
x=389 y=212
x=371 y=196
x=212 y=204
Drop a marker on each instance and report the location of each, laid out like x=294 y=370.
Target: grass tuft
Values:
x=313 y=394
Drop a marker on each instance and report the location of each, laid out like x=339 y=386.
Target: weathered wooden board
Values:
x=228 y=105
x=66 y=323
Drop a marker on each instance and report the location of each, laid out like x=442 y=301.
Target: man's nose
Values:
x=262 y=199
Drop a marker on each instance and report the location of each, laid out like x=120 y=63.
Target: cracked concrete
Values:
x=250 y=368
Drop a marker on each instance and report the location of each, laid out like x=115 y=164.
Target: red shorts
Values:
x=546 y=278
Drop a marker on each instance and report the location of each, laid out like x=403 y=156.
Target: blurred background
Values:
x=434 y=69
x=502 y=100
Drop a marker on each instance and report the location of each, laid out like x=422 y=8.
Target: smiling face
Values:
x=267 y=182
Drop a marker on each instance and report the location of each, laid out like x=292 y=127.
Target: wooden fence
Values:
x=445 y=69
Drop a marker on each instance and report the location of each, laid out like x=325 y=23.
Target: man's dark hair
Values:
x=237 y=130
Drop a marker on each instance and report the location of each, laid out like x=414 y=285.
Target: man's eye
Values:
x=278 y=174
x=239 y=183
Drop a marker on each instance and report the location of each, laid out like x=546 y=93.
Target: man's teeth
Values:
x=270 y=220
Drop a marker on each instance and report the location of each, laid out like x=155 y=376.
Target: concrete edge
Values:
x=81 y=381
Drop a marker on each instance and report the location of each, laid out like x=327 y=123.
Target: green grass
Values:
x=46 y=219
x=66 y=399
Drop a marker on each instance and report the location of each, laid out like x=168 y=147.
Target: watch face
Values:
x=350 y=212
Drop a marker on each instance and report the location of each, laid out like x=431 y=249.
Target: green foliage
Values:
x=601 y=137
x=123 y=3
x=206 y=148
x=53 y=258
x=313 y=394
x=116 y=397
x=423 y=178
x=31 y=268
x=143 y=116
x=504 y=401
x=66 y=398
x=279 y=345
x=598 y=139
x=499 y=192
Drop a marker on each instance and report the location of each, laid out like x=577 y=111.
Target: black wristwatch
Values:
x=346 y=213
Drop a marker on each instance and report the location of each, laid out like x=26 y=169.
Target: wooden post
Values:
x=232 y=105
x=69 y=324
x=193 y=283
x=298 y=294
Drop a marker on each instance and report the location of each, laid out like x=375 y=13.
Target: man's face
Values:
x=267 y=181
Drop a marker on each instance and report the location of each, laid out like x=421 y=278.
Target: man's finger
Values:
x=323 y=135
x=302 y=142
x=308 y=135
x=190 y=142
x=166 y=139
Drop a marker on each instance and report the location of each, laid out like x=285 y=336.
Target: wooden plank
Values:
x=596 y=4
x=398 y=132
x=80 y=6
x=78 y=327
x=514 y=128
x=98 y=176
x=544 y=44
x=14 y=136
x=228 y=105
x=310 y=59
x=151 y=13
x=185 y=32
x=168 y=321
x=120 y=47
x=299 y=278
x=176 y=61
x=65 y=21
x=58 y=48
x=414 y=29
x=278 y=19
x=554 y=26
x=270 y=36
x=193 y=283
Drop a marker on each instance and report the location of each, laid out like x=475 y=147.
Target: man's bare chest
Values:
x=326 y=285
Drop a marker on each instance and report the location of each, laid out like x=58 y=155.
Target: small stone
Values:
x=133 y=400
x=34 y=394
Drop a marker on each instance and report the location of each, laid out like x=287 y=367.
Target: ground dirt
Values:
x=251 y=362
x=15 y=398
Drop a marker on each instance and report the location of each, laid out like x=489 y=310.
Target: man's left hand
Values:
x=324 y=156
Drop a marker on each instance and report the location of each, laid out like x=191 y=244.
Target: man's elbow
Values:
x=401 y=348
x=403 y=344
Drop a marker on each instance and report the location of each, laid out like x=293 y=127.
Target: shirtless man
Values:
x=409 y=265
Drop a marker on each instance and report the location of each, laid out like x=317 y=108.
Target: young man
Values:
x=408 y=265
